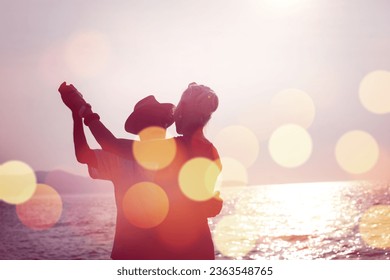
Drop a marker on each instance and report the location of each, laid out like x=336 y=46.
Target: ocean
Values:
x=328 y=220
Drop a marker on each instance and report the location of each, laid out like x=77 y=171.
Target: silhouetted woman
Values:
x=185 y=232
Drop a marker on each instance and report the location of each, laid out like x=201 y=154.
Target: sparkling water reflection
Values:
x=291 y=221
x=300 y=221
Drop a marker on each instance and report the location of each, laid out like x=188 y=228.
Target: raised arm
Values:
x=84 y=154
x=103 y=135
x=108 y=142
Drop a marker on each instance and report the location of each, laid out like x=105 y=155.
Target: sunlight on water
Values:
x=291 y=221
x=330 y=220
x=235 y=235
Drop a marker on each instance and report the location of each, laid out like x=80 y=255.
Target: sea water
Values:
x=290 y=221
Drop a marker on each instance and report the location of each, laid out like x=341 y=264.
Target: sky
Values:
x=312 y=72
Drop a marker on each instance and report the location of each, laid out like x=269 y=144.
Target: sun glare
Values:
x=283 y=5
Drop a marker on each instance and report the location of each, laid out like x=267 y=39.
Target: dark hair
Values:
x=202 y=99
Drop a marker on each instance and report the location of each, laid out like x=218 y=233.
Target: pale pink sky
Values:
x=117 y=52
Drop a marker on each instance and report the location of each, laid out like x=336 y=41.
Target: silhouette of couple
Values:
x=164 y=188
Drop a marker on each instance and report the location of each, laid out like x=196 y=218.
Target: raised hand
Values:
x=71 y=97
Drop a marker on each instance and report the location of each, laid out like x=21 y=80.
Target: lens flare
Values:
x=374 y=92
x=290 y=145
x=374 y=226
x=87 y=53
x=235 y=236
x=238 y=142
x=289 y=106
x=198 y=177
x=233 y=173
x=284 y=4
x=292 y=106
x=357 y=152
x=17 y=182
x=43 y=210
x=154 y=154
x=51 y=65
x=145 y=205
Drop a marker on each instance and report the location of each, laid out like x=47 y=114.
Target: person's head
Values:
x=195 y=107
x=148 y=112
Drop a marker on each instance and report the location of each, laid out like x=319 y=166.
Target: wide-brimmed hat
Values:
x=149 y=112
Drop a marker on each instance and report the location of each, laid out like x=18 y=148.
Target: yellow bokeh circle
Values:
x=198 y=177
x=17 y=182
x=145 y=205
x=357 y=152
x=233 y=173
x=292 y=106
x=238 y=142
x=235 y=236
x=374 y=226
x=290 y=145
x=374 y=92
x=154 y=154
x=87 y=53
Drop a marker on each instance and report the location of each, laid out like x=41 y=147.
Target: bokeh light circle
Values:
x=374 y=92
x=292 y=106
x=233 y=173
x=235 y=236
x=357 y=152
x=145 y=205
x=374 y=226
x=238 y=142
x=290 y=145
x=87 y=53
x=198 y=177
x=17 y=182
x=154 y=154
x=43 y=210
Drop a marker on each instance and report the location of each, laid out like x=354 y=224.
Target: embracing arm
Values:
x=213 y=206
